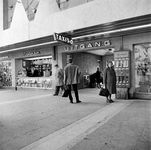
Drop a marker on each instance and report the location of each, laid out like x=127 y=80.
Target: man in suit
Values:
x=72 y=78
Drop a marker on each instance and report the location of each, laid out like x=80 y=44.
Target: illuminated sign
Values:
x=121 y=54
x=31 y=53
x=93 y=44
x=62 y=38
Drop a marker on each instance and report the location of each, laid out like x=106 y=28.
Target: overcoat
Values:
x=59 y=77
x=110 y=80
x=72 y=74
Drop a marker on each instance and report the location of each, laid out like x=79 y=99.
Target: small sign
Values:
x=62 y=38
x=31 y=53
x=121 y=54
x=4 y=57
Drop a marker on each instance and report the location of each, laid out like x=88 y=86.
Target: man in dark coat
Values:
x=110 y=80
x=72 y=78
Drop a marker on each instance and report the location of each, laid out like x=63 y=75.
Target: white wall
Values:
x=50 y=19
x=1 y=18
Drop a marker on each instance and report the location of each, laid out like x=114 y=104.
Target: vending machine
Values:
x=122 y=69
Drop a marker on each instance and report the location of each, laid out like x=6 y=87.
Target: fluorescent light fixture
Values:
x=96 y=34
x=113 y=31
x=25 y=47
x=137 y=27
x=35 y=58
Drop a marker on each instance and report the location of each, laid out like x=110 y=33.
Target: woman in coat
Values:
x=110 y=80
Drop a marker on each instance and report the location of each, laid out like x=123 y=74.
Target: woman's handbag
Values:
x=104 y=92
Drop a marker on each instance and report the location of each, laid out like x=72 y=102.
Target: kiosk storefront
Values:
x=34 y=69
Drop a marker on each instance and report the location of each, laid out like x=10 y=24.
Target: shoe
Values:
x=55 y=94
x=71 y=101
x=108 y=101
x=78 y=101
x=111 y=101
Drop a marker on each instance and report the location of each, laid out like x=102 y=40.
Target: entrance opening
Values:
x=89 y=61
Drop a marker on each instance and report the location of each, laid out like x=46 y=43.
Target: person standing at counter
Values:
x=59 y=79
x=110 y=81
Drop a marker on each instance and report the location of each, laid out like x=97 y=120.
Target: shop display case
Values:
x=122 y=69
x=43 y=66
x=36 y=73
x=34 y=82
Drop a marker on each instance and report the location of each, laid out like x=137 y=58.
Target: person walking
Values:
x=110 y=81
x=58 y=79
x=72 y=78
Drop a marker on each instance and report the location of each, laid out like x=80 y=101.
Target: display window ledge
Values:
x=42 y=88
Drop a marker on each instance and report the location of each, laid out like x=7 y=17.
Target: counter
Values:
x=34 y=82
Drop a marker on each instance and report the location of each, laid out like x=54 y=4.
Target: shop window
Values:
x=143 y=67
x=5 y=73
x=30 y=7
x=35 y=73
x=65 y=4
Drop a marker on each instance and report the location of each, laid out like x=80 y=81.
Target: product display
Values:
x=42 y=82
x=35 y=73
x=122 y=69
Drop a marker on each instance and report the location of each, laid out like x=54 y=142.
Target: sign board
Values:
x=62 y=38
x=4 y=57
x=121 y=54
x=88 y=45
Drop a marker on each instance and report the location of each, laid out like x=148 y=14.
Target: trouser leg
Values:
x=70 y=95
x=57 y=90
x=76 y=92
